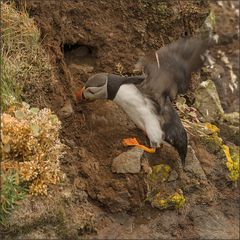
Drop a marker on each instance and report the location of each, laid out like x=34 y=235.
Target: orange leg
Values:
x=134 y=142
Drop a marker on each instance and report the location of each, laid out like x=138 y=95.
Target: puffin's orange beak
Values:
x=79 y=94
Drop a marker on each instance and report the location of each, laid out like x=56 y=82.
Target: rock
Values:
x=213 y=224
x=229 y=132
x=128 y=162
x=229 y=127
x=173 y=176
x=193 y=165
x=232 y=118
x=66 y=110
x=207 y=101
x=116 y=201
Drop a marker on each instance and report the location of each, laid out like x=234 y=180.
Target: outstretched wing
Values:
x=168 y=70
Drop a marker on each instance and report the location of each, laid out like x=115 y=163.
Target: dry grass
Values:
x=26 y=70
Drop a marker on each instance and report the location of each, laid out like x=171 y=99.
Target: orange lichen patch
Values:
x=79 y=94
x=134 y=142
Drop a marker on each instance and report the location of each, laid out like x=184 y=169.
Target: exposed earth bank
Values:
x=86 y=37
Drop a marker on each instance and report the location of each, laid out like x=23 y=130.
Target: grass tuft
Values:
x=11 y=193
x=25 y=66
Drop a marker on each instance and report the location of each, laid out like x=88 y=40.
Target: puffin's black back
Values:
x=115 y=82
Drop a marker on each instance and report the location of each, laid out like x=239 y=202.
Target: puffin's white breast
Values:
x=140 y=110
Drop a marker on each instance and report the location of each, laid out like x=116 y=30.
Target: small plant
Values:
x=11 y=192
x=31 y=146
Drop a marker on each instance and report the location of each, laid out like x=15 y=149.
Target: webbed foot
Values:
x=134 y=142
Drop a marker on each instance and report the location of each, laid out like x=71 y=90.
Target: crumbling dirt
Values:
x=86 y=37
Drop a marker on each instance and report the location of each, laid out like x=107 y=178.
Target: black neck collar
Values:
x=116 y=81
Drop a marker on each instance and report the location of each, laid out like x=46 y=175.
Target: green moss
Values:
x=176 y=201
x=160 y=172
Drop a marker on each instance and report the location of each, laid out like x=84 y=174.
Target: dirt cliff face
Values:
x=85 y=37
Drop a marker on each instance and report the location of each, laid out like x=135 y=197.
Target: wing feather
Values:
x=168 y=70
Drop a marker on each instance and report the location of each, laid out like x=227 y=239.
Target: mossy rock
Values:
x=207 y=101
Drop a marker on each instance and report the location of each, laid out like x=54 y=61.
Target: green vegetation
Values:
x=29 y=136
x=24 y=64
x=11 y=192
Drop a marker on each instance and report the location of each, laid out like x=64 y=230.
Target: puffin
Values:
x=148 y=98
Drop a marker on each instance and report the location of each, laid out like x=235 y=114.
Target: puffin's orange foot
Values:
x=130 y=142
x=147 y=149
x=134 y=142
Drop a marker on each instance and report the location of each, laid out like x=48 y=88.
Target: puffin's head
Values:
x=94 y=88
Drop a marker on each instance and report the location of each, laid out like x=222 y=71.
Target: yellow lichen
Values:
x=232 y=163
x=177 y=200
x=215 y=144
x=160 y=172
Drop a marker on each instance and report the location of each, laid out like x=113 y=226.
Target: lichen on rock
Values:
x=176 y=200
x=215 y=144
x=232 y=163
x=160 y=172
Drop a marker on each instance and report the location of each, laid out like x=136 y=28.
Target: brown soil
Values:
x=86 y=37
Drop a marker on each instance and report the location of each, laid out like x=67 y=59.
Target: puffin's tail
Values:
x=175 y=134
